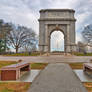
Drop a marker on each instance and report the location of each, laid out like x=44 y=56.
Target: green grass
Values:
x=14 y=86
x=23 y=54
x=6 y=90
x=38 y=65
x=82 y=54
x=6 y=63
x=78 y=65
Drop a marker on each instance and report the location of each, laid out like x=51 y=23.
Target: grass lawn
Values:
x=78 y=65
x=23 y=54
x=5 y=63
x=14 y=86
x=82 y=54
x=38 y=65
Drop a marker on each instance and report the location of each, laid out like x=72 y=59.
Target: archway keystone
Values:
x=57 y=19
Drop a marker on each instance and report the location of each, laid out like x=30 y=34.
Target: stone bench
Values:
x=87 y=67
x=14 y=71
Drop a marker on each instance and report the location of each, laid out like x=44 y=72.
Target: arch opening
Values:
x=57 y=41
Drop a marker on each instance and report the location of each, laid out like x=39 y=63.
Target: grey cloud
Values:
x=36 y=5
x=83 y=8
x=14 y=10
x=12 y=3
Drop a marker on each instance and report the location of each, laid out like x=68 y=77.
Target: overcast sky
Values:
x=26 y=12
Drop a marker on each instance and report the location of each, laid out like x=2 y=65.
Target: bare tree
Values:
x=5 y=29
x=20 y=36
x=81 y=47
x=31 y=43
x=87 y=33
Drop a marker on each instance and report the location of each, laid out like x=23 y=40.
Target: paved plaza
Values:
x=48 y=59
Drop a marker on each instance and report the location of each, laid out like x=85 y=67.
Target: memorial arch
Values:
x=57 y=19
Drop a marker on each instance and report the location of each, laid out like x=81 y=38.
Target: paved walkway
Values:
x=57 y=78
x=49 y=59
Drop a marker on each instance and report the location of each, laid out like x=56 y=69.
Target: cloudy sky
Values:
x=26 y=12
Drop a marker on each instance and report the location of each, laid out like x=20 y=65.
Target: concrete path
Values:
x=48 y=59
x=57 y=78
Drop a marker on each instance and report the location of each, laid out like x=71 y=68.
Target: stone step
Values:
x=57 y=53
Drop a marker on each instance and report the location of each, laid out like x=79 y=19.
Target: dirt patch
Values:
x=88 y=85
x=14 y=86
x=76 y=65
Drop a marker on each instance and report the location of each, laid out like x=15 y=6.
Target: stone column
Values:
x=46 y=38
x=49 y=38
x=68 y=39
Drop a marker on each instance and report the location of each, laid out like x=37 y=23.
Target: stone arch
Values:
x=57 y=19
x=62 y=28
x=57 y=29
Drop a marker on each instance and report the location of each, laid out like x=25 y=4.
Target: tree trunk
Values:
x=16 y=49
